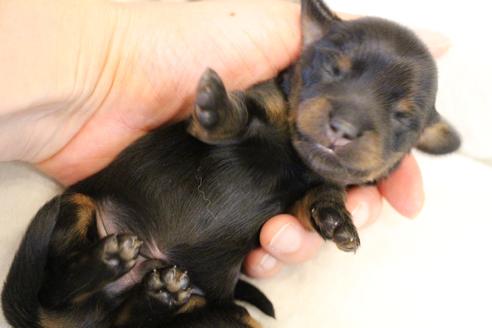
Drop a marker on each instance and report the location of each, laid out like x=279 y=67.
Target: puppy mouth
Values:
x=332 y=149
x=328 y=160
x=310 y=147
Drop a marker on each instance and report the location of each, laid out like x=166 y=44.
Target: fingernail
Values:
x=360 y=215
x=287 y=240
x=267 y=263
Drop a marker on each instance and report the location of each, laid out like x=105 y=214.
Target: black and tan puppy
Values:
x=157 y=238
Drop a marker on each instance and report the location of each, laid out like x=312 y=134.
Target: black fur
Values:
x=29 y=263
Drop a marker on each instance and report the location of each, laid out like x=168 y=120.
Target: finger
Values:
x=364 y=203
x=260 y=264
x=284 y=238
x=404 y=188
x=438 y=43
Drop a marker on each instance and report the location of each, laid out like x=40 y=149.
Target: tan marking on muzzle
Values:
x=311 y=114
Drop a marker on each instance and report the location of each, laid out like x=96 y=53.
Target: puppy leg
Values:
x=164 y=299
x=228 y=315
x=220 y=117
x=163 y=294
x=79 y=264
x=323 y=209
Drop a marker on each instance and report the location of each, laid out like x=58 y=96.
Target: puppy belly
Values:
x=132 y=277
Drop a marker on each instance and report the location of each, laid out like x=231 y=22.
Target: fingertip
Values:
x=260 y=264
x=437 y=42
x=285 y=238
x=404 y=188
x=364 y=203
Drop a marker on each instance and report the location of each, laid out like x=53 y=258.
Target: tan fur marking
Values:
x=233 y=125
x=301 y=211
x=272 y=101
x=294 y=93
x=82 y=298
x=405 y=105
x=48 y=320
x=370 y=159
x=311 y=117
x=250 y=322
x=85 y=211
x=194 y=303
x=435 y=134
x=344 y=63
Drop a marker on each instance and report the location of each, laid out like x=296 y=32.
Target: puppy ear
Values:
x=316 y=20
x=439 y=137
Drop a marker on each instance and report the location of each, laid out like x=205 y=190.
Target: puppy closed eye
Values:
x=337 y=68
x=331 y=72
x=358 y=68
x=323 y=68
x=404 y=119
x=396 y=94
x=403 y=109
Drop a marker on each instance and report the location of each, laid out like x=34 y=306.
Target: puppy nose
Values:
x=342 y=129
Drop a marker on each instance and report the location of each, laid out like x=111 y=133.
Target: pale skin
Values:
x=81 y=80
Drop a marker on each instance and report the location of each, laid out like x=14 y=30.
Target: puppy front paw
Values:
x=171 y=286
x=119 y=252
x=217 y=118
x=335 y=223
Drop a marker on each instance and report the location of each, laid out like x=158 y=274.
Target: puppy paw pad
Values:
x=211 y=98
x=121 y=251
x=169 y=285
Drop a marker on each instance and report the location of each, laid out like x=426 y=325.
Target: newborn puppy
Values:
x=158 y=237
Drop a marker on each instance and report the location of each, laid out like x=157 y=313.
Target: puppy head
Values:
x=363 y=95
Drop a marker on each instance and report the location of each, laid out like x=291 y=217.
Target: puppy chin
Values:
x=327 y=163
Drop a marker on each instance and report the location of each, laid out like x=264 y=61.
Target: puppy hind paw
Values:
x=120 y=251
x=171 y=286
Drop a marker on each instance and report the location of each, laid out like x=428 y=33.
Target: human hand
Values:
x=284 y=240
x=103 y=74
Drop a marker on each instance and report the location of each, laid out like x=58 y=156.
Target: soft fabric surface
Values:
x=432 y=271
x=429 y=272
